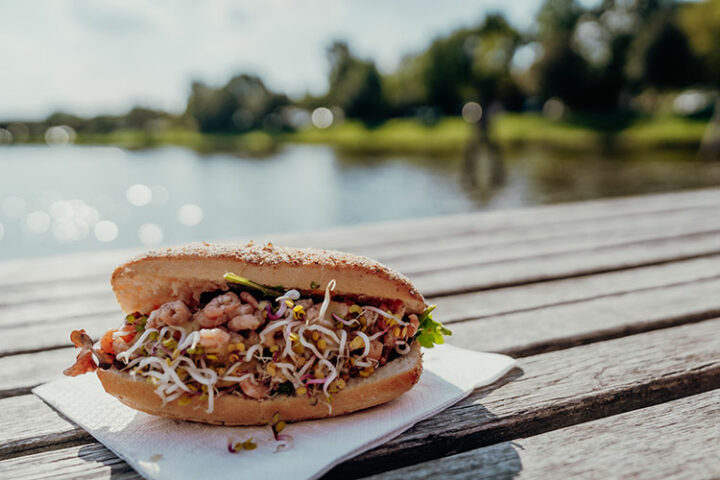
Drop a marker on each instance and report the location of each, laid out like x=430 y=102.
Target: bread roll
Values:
x=145 y=283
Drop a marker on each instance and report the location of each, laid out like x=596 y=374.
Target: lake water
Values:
x=56 y=200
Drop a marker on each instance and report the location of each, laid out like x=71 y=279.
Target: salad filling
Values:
x=258 y=342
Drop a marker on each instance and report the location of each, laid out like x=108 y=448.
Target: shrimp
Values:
x=253 y=389
x=84 y=362
x=414 y=325
x=119 y=345
x=376 y=348
x=253 y=337
x=306 y=303
x=312 y=313
x=245 y=321
x=218 y=311
x=249 y=299
x=389 y=339
x=171 y=313
x=339 y=308
x=214 y=339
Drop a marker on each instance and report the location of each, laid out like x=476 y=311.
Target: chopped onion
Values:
x=279 y=314
x=402 y=347
x=284 y=442
x=316 y=381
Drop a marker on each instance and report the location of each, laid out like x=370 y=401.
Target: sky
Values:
x=90 y=57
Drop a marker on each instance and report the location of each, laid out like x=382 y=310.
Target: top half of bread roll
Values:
x=149 y=280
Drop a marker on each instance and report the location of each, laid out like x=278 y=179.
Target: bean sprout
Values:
x=386 y=315
x=326 y=301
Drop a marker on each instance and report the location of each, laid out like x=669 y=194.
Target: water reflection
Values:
x=58 y=200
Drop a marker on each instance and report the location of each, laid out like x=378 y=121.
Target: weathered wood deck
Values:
x=612 y=306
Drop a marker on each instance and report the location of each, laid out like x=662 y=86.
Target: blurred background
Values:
x=127 y=124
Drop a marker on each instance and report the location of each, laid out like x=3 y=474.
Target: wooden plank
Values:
x=20 y=373
x=630 y=226
x=45 y=312
x=403 y=231
x=499 y=267
x=520 y=333
x=91 y=462
x=548 y=391
x=98 y=264
x=433 y=283
x=36 y=337
x=451 y=308
x=486 y=303
x=674 y=440
x=563 y=326
x=420 y=255
x=567 y=265
x=49 y=428
x=48 y=292
x=479 y=251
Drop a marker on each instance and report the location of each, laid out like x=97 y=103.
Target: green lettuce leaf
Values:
x=431 y=332
x=265 y=289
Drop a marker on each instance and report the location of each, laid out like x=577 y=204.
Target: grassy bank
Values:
x=448 y=137
x=451 y=135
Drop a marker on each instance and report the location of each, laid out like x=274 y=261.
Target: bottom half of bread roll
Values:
x=387 y=383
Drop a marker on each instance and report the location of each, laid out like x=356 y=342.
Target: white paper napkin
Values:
x=159 y=448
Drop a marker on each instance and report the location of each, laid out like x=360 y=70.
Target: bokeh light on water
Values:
x=56 y=200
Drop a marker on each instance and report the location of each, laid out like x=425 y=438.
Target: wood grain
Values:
x=485 y=303
x=549 y=391
x=674 y=440
x=20 y=373
x=563 y=326
x=91 y=461
x=565 y=265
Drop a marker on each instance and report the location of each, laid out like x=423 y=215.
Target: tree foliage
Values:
x=243 y=104
x=355 y=85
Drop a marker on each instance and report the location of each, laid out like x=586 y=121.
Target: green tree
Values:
x=243 y=104
x=661 y=55
x=701 y=24
x=355 y=85
x=470 y=64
